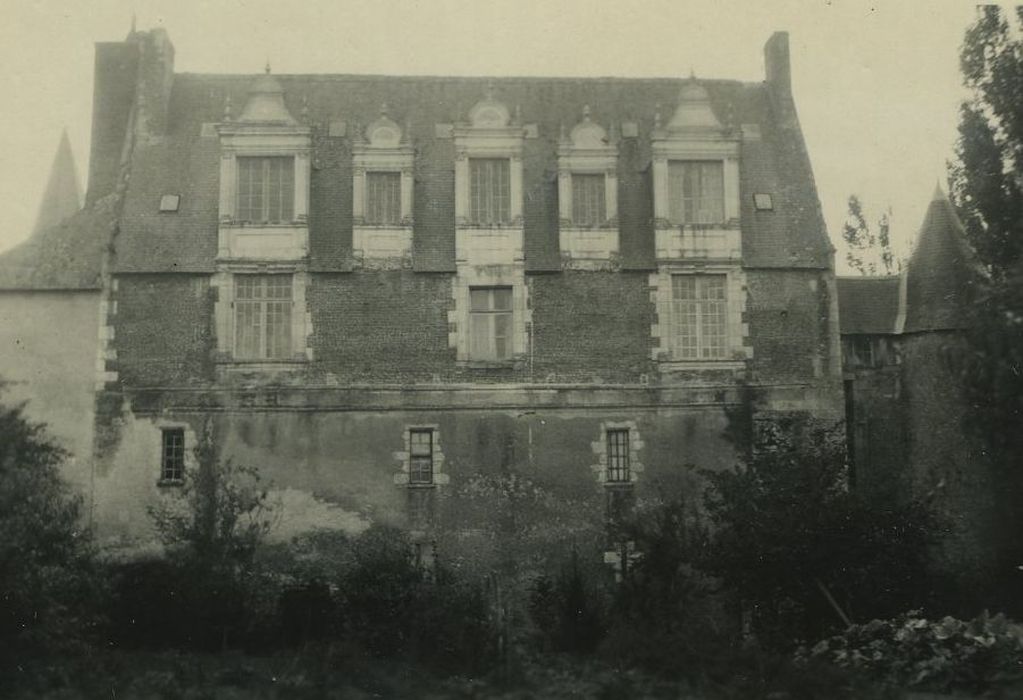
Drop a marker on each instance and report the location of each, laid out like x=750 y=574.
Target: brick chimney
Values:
x=776 y=62
x=134 y=74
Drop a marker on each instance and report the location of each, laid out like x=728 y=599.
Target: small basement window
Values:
x=169 y=202
x=763 y=202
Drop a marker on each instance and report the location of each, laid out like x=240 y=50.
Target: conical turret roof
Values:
x=63 y=195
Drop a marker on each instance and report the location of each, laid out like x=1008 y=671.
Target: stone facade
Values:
x=452 y=349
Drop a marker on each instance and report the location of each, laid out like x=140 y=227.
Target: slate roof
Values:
x=938 y=283
x=940 y=272
x=868 y=305
x=183 y=161
x=66 y=256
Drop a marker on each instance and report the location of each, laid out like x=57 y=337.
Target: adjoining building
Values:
x=906 y=412
x=453 y=304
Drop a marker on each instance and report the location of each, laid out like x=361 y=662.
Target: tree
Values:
x=802 y=551
x=986 y=186
x=46 y=571
x=867 y=253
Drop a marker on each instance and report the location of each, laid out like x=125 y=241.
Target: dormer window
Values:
x=488 y=167
x=695 y=165
x=264 y=179
x=382 y=159
x=588 y=194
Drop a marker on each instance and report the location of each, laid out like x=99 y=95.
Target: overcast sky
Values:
x=876 y=84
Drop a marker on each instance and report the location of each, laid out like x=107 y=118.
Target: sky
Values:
x=876 y=84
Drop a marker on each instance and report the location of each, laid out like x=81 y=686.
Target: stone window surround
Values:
x=578 y=154
x=490 y=134
x=458 y=318
x=739 y=347
x=674 y=147
x=224 y=315
x=263 y=140
x=404 y=457
x=599 y=448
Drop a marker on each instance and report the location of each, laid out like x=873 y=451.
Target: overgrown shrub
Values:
x=568 y=610
x=48 y=579
x=983 y=655
x=801 y=550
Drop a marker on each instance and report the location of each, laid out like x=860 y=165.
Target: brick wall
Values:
x=788 y=315
x=163 y=330
x=592 y=326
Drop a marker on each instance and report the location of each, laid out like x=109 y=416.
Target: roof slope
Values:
x=940 y=272
x=183 y=161
x=868 y=305
x=66 y=256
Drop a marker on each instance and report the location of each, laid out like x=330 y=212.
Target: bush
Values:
x=983 y=655
x=48 y=580
x=567 y=611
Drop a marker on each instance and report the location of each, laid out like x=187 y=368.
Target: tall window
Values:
x=490 y=323
x=421 y=456
x=262 y=305
x=383 y=198
x=588 y=207
x=489 y=190
x=697 y=192
x=698 y=316
x=618 y=455
x=266 y=189
x=172 y=456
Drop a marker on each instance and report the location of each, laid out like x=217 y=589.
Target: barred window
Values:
x=383 y=198
x=490 y=323
x=262 y=305
x=172 y=456
x=421 y=456
x=697 y=192
x=489 y=190
x=588 y=207
x=698 y=317
x=618 y=456
x=266 y=189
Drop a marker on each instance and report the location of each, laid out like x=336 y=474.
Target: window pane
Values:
x=421 y=442
x=489 y=190
x=618 y=455
x=698 y=317
x=502 y=298
x=696 y=192
x=502 y=336
x=263 y=317
x=479 y=299
x=383 y=198
x=172 y=466
x=588 y=208
x=490 y=323
x=266 y=189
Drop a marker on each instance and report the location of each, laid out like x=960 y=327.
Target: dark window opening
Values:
x=172 y=462
x=421 y=456
x=618 y=456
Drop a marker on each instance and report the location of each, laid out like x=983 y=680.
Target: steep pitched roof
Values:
x=868 y=305
x=63 y=195
x=940 y=272
x=66 y=256
x=184 y=160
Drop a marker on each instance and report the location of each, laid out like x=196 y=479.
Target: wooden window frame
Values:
x=256 y=312
x=618 y=467
x=683 y=210
x=421 y=465
x=490 y=201
x=172 y=455
x=492 y=317
x=262 y=191
x=692 y=316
